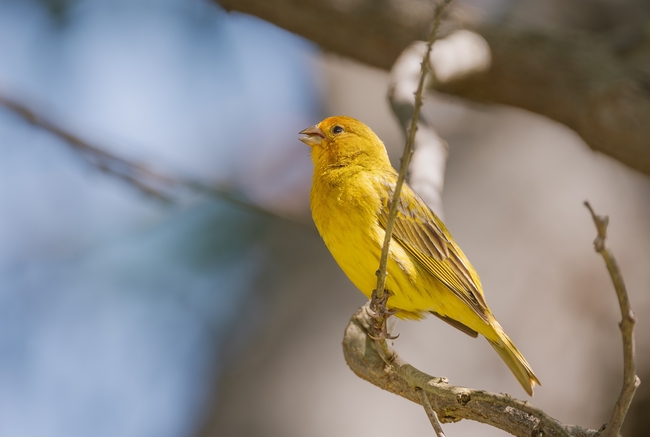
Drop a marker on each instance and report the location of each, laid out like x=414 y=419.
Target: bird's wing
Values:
x=425 y=237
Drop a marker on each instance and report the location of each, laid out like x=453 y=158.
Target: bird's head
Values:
x=341 y=141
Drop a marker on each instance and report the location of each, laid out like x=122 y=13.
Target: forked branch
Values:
x=630 y=379
x=378 y=364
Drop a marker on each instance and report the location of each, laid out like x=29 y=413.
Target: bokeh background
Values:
x=124 y=315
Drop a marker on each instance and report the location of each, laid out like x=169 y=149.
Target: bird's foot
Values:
x=380 y=314
x=378 y=305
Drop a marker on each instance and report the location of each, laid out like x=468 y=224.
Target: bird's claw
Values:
x=383 y=335
x=381 y=313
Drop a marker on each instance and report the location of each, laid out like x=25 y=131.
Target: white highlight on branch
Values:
x=459 y=54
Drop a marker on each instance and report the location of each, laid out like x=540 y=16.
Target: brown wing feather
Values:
x=424 y=236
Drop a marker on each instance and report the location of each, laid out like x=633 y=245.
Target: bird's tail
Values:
x=514 y=360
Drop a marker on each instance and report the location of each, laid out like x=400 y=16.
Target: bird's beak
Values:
x=312 y=136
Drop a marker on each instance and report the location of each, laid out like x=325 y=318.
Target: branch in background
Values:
x=452 y=403
x=374 y=33
x=148 y=182
x=577 y=79
x=630 y=380
x=144 y=180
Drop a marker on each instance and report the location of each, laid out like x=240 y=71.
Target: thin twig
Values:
x=630 y=380
x=148 y=182
x=379 y=297
x=408 y=152
x=431 y=413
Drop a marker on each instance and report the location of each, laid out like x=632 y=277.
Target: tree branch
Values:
x=141 y=178
x=452 y=403
x=148 y=182
x=580 y=80
x=575 y=79
x=630 y=380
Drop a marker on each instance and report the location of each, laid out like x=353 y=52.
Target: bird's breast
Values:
x=345 y=201
x=345 y=210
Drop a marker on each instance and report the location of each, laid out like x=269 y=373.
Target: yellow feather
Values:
x=427 y=271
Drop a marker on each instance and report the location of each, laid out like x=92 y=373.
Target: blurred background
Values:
x=173 y=311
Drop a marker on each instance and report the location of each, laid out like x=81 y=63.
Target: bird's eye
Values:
x=337 y=129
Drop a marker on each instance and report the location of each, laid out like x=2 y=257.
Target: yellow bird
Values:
x=427 y=272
